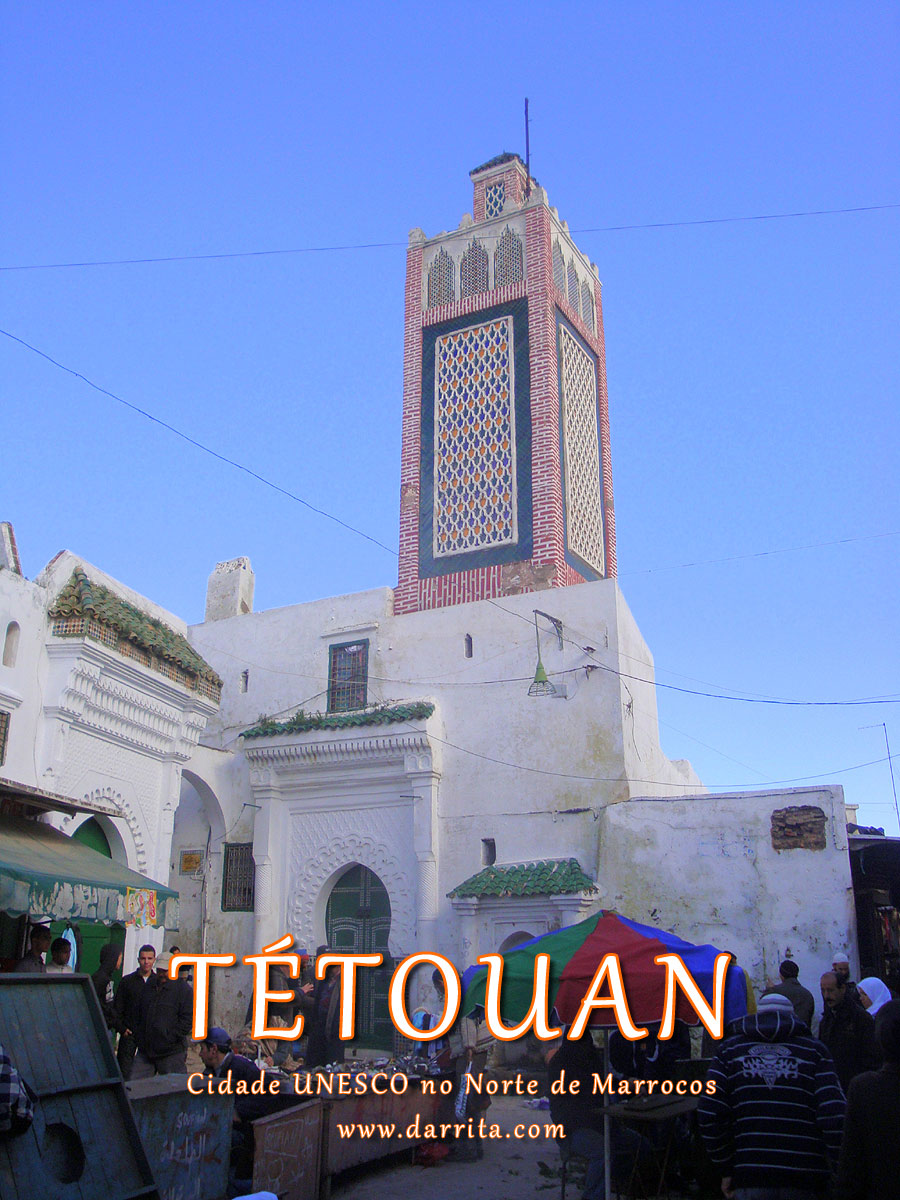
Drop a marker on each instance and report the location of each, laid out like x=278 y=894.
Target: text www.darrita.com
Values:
x=431 y=1131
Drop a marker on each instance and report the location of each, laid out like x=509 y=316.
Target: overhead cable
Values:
x=175 y=258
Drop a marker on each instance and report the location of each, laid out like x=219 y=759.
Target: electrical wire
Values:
x=715 y=562
x=175 y=258
x=276 y=487
x=890 y=699
x=368 y=537
x=656 y=782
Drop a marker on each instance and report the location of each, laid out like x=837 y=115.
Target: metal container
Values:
x=187 y=1138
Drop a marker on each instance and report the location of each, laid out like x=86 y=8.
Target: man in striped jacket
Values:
x=773 y=1124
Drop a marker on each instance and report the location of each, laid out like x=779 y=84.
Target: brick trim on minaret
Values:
x=545 y=457
x=406 y=594
x=609 y=512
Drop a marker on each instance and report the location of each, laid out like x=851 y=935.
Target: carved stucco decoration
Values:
x=316 y=748
x=94 y=699
x=109 y=802
x=322 y=843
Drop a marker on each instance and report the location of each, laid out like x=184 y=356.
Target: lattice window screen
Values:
x=581 y=442
x=559 y=268
x=587 y=306
x=440 y=280
x=473 y=270
x=574 y=292
x=4 y=735
x=475 y=438
x=494 y=199
x=238 y=874
x=508 y=259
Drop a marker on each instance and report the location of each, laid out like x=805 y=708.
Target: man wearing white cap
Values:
x=840 y=964
x=773 y=1124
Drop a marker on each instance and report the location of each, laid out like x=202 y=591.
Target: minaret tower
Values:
x=506 y=481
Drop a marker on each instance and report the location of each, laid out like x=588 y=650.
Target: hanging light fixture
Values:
x=542 y=685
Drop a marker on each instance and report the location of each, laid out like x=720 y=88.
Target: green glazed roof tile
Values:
x=542 y=877
x=81 y=598
x=302 y=722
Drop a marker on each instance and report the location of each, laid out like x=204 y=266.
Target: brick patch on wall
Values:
x=799 y=828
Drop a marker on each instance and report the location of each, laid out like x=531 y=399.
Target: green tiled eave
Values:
x=81 y=598
x=302 y=722
x=543 y=877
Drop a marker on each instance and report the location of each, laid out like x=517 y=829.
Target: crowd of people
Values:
x=786 y=1113
x=783 y=1114
x=796 y=1114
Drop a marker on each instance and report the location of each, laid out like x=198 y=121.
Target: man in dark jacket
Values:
x=799 y=996
x=774 y=1120
x=220 y=1061
x=128 y=1004
x=840 y=965
x=847 y=1030
x=870 y=1154
x=110 y=961
x=40 y=938
x=579 y=1111
x=324 y=1044
x=165 y=1017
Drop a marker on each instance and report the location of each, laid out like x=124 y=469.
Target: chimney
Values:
x=9 y=554
x=229 y=592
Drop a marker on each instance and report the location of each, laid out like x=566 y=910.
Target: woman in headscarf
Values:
x=870 y=1154
x=874 y=994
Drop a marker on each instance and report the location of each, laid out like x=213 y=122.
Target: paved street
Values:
x=511 y=1168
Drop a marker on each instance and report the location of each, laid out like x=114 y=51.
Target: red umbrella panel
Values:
x=644 y=980
x=577 y=951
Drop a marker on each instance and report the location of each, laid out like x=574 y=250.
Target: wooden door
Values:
x=358 y=920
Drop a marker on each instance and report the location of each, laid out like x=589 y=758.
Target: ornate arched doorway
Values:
x=358 y=921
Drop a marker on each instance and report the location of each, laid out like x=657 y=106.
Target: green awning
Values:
x=54 y=877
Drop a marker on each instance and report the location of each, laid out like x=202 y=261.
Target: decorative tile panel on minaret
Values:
x=506 y=475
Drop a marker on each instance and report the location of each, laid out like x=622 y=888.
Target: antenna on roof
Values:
x=527 y=153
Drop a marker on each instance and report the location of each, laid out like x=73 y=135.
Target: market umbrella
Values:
x=575 y=953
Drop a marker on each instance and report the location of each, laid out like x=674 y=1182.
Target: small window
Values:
x=4 y=735
x=574 y=290
x=348 y=676
x=473 y=270
x=440 y=280
x=559 y=268
x=494 y=199
x=488 y=852
x=587 y=306
x=508 y=259
x=468 y=645
x=11 y=644
x=237 y=877
x=245 y=681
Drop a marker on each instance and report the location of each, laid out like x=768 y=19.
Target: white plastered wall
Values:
x=705 y=868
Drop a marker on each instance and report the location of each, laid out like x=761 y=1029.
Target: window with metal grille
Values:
x=440 y=280
x=574 y=292
x=508 y=259
x=587 y=306
x=4 y=735
x=473 y=270
x=559 y=268
x=494 y=199
x=348 y=676
x=237 y=877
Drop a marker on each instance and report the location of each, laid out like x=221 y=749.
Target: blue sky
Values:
x=753 y=367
